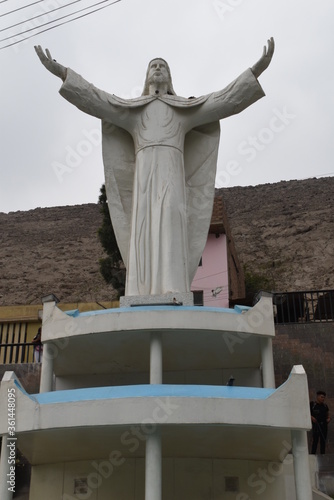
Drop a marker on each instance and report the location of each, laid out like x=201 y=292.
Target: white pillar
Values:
x=5 y=493
x=268 y=373
x=47 y=368
x=301 y=465
x=156 y=358
x=153 y=456
x=153 y=460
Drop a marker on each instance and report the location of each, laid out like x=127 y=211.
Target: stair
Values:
x=326 y=474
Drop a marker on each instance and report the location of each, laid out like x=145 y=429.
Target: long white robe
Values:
x=160 y=155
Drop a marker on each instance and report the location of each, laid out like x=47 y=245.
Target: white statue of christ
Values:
x=160 y=154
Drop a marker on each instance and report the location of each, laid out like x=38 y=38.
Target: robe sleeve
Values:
x=237 y=96
x=92 y=100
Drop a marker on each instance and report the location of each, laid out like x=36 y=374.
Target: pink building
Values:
x=219 y=280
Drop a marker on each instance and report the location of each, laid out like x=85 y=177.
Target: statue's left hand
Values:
x=263 y=63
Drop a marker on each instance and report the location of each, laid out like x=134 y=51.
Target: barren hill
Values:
x=51 y=250
x=284 y=231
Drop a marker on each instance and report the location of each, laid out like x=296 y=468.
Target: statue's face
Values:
x=158 y=72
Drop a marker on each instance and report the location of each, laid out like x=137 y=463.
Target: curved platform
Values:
x=118 y=340
x=231 y=422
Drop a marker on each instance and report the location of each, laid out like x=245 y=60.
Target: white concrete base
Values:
x=168 y=299
x=115 y=476
x=156 y=368
x=153 y=467
x=301 y=465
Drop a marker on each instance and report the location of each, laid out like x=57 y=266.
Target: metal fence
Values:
x=304 y=307
x=14 y=347
x=16 y=353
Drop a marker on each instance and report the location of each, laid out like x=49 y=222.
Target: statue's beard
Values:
x=158 y=78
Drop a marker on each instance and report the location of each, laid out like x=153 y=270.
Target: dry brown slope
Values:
x=51 y=250
x=284 y=230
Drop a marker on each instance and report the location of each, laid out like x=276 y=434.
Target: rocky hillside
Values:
x=51 y=250
x=284 y=231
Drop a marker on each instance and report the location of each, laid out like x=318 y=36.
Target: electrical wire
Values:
x=53 y=21
x=21 y=8
x=209 y=275
x=209 y=288
x=60 y=24
x=40 y=15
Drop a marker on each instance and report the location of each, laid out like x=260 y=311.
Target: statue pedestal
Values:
x=166 y=299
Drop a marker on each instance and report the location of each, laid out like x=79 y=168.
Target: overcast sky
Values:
x=50 y=151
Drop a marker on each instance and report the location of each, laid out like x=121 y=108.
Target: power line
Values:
x=224 y=297
x=209 y=276
x=60 y=24
x=20 y=8
x=40 y=15
x=208 y=291
x=50 y=22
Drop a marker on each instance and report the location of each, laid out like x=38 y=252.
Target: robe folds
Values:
x=160 y=156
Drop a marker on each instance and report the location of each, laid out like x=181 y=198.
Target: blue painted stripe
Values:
x=163 y=390
x=237 y=310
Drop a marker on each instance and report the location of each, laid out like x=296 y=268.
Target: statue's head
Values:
x=158 y=71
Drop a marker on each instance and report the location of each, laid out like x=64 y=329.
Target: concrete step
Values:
x=326 y=463
x=326 y=473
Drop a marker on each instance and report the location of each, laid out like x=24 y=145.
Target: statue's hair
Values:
x=170 y=89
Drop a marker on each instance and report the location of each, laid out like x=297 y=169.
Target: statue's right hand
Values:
x=50 y=64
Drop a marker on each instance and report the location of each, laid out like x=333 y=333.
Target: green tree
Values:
x=255 y=283
x=111 y=267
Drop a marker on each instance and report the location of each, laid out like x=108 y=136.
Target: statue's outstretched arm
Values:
x=263 y=63
x=51 y=64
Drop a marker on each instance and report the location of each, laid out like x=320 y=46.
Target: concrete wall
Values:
x=311 y=345
x=199 y=479
x=29 y=375
x=246 y=377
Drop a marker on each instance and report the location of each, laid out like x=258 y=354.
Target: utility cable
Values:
x=209 y=276
x=54 y=20
x=40 y=15
x=21 y=8
x=57 y=25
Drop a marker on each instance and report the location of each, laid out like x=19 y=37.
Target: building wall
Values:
x=246 y=377
x=311 y=345
x=214 y=272
x=118 y=477
x=19 y=325
x=28 y=374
